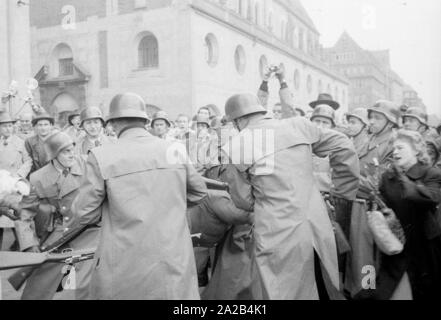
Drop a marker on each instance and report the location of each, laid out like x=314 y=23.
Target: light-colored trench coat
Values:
x=291 y=220
x=140 y=191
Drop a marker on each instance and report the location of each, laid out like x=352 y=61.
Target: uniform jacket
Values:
x=75 y=134
x=291 y=220
x=34 y=146
x=38 y=225
x=380 y=148
x=140 y=191
x=361 y=142
x=49 y=188
x=84 y=145
x=14 y=157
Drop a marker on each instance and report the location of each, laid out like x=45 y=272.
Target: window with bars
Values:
x=148 y=52
x=66 y=67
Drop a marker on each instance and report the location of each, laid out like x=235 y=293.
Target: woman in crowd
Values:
x=411 y=188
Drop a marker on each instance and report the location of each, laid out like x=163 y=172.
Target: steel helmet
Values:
x=388 y=109
x=72 y=116
x=56 y=142
x=204 y=120
x=359 y=113
x=91 y=113
x=417 y=113
x=127 y=105
x=324 y=111
x=241 y=105
x=161 y=115
x=43 y=115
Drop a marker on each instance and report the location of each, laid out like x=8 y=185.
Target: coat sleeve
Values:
x=342 y=157
x=86 y=208
x=240 y=189
x=427 y=191
x=196 y=188
x=25 y=226
x=26 y=166
x=263 y=94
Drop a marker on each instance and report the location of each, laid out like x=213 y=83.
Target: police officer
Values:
x=358 y=129
x=73 y=128
x=416 y=119
x=13 y=155
x=46 y=213
x=383 y=119
x=139 y=186
x=289 y=211
x=92 y=121
x=161 y=125
x=323 y=116
x=43 y=124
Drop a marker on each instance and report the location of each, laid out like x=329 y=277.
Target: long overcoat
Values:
x=139 y=186
x=291 y=221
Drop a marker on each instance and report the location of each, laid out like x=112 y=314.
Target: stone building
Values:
x=15 y=47
x=369 y=72
x=179 y=55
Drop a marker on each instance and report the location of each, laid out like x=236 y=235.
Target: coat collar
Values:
x=52 y=176
x=417 y=171
x=135 y=133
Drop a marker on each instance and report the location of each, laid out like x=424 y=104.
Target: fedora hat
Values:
x=5 y=117
x=325 y=98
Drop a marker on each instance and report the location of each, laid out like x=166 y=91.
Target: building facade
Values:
x=369 y=72
x=178 y=55
x=411 y=98
x=15 y=48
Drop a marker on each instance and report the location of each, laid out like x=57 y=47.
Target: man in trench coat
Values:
x=139 y=186
x=291 y=221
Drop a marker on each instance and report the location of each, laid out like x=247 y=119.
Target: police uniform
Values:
x=145 y=251
x=45 y=215
x=292 y=225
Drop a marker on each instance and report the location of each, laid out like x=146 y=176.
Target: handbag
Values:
x=387 y=231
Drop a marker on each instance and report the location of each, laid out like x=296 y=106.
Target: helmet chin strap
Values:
x=384 y=128
x=359 y=132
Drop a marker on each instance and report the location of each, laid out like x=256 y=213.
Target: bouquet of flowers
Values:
x=383 y=223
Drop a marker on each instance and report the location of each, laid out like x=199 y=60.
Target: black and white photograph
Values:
x=231 y=152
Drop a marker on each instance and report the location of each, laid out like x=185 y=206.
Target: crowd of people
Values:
x=294 y=222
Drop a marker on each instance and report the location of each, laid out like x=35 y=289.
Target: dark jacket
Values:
x=413 y=197
x=35 y=148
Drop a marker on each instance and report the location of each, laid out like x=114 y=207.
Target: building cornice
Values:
x=239 y=24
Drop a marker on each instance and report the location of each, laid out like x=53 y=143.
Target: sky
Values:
x=410 y=29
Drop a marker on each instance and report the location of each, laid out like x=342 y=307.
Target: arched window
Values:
x=297 y=79
x=63 y=56
x=148 y=52
x=211 y=50
x=240 y=59
x=320 y=86
x=283 y=30
x=309 y=84
x=263 y=65
x=270 y=21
